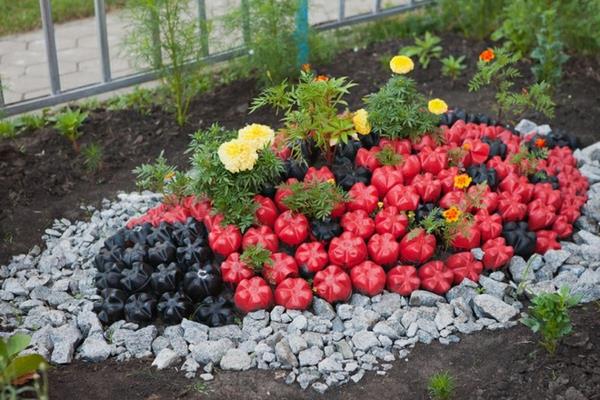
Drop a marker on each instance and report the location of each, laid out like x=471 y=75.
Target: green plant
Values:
x=311 y=109
x=473 y=18
x=388 y=156
x=140 y=99
x=161 y=28
x=68 y=123
x=231 y=193
x=452 y=67
x=271 y=41
x=315 y=199
x=425 y=49
x=256 y=256
x=92 y=157
x=16 y=370
x=500 y=74
x=31 y=122
x=8 y=129
x=550 y=317
x=398 y=110
x=441 y=386
x=548 y=55
x=154 y=176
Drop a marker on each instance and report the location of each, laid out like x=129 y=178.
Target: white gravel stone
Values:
x=490 y=306
x=236 y=360
x=166 y=358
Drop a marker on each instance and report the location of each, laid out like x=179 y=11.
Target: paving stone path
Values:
x=23 y=68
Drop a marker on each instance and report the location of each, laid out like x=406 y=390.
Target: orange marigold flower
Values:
x=452 y=214
x=487 y=55
x=467 y=146
x=539 y=143
x=306 y=67
x=322 y=78
x=462 y=181
x=331 y=181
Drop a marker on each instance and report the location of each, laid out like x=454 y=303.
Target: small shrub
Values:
x=425 y=49
x=92 y=157
x=168 y=22
x=473 y=18
x=496 y=69
x=17 y=369
x=550 y=317
x=452 y=67
x=398 y=110
x=441 y=386
x=68 y=123
x=315 y=199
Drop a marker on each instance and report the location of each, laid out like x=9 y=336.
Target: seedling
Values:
x=92 y=154
x=452 y=67
x=17 y=369
x=441 y=386
x=550 y=317
x=68 y=124
x=31 y=122
x=315 y=199
x=425 y=49
x=255 y=256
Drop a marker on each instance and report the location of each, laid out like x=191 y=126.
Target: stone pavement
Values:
x=23 y=68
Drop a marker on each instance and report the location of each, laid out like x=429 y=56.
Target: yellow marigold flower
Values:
x=238 y=155
x=331 y=181
x=259 y=135
x=452 y=214
x=462 y=181
x=361 y=122
x=467 y=146
x=380 y=204
x=437 y=106
x=401 y=65
x=168 y=176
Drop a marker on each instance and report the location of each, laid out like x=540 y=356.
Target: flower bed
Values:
x=362 y=211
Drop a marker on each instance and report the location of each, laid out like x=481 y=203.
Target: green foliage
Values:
x=441 y=386
x=398 y=110
x=501 y=74
x=272 y=49
x=550 y=317
x=452 y=67
x=256 y=256
x=399 y=26
x=231 y=193
x=549 y=55
x=435 y=223
x=19 y=368
x=92 y=157
x=311 y=108
x=68 y=123
x=315 y=199
x=154 y=177
x=8 y=129
x=425 y=49
x=31 y=122
x=388 y=156
x=577 y=23
x=166 y=22
x=473 y=18
x=140 y=99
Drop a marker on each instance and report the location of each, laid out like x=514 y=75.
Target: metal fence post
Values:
x=1 y=93
x=203 y=25
x=342 y=10
x=376 y=6
x=100 y=10
x=245 y=9
x=302 y=32
x=50 y=40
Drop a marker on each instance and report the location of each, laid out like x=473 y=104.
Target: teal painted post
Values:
x=302 y=32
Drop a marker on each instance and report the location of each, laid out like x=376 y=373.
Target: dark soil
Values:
x=486 y=365
x=42 y=179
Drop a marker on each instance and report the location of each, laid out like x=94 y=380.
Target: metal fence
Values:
x=106 y=81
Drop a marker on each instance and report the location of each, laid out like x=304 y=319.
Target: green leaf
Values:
x=17 y=343
x=24 y=365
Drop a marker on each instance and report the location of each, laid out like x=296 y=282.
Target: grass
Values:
x=24 y=15
x=441 y=386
